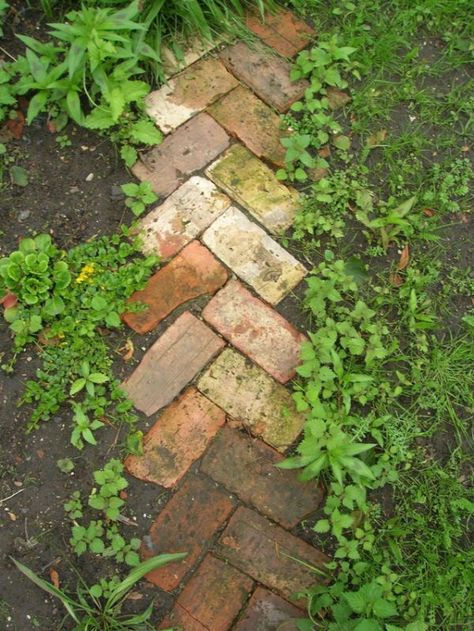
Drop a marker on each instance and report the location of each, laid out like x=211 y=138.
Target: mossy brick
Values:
x=282 y=31
x=256 y=329
x=252 y=184
x=265 y=73
x=211 y=599
x=184 y=152
x=269 y=554
x=246 y=117
x=171 y=363
x=266 y=612
x=246 y=466
x=188 y=93
x=252 y=399
x=253 y=255
x=177 y=439
x=192 y=273
x=187 y=523
x=182 y=217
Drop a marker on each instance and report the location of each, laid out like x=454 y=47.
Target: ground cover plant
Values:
x=387 y=376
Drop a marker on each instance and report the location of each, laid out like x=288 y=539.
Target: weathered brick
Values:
x=246 y=466
x=187 y=150
x=281 y=31
x=188 y=93
x=182 y=217
x=265 y=73
x=256 y=329
x=266 y=612
x=252 y=398
x=186 y=524
x=269 y=554
x=192 y=273
x=171 y=363
x=178 y=438
x=253 y=185
x=249 y=119
x=194 y=50
x=253 y=255
x=212 y=598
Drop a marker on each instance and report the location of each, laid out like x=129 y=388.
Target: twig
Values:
x=7 y=53
x=10 y=496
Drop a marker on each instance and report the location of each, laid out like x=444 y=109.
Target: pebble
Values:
x=116 y=193
x=90 y=177
x=23 y=214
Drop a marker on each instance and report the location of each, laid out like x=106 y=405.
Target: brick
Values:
x=194 y=272
x=186 y=524
x=188 y=93
x=182 y=217
x=265 y=73
x=253 y=255
x=189 y=149
x=246 y=467
x=178 y=438
x=195 y=49
x=253 y=399
x=261 y=549
x=212 y=598
x=281 y=31
x=171 y=363
x=254 y=186
x=256 y=330
x=266 y=612
x=249 y=119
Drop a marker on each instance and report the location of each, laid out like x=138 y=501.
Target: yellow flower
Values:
x=86 y=272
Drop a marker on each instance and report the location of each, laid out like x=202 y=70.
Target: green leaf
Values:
x=98 y=377
x=322 y=526
x=384 y=609
x=19 y=176
x=355 y=600
x=113 y=320
x=88 y=436
x=145 y=132
x=368 y=625
x=36 y=105
x=97 y=546
x=77 y=386
x=342 y=142
x=98 y=303
x=66 y=465
x=129 y=155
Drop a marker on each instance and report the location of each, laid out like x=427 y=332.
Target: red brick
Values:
x=281 y=31
x=266 y=612
x=246 y=466
x=256 y=329
x=250 y=120
x=189 y=149
x=193 y=273
x=266 y=74
x=178 y=438
x=262 y=550
x=186 y=524
x=188 y=93
x=212 y=598
x=171 y=363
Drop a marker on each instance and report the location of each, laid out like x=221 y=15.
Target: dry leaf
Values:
x=127 y=350
x=324 y=152
x=377 y=137
x=396 y=280
x=15 y=125
x=54 y=576
x=134 y=596
x=8 y=301
x=429 y=212
x=12 y=516
x=465 y=148
x=337 y=98
x=51 y=125
x=404 y=258
x=463 y=218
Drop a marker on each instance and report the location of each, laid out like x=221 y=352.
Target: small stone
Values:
x=116 y=193
x=23 y=214
x=253 y=255
x=254 y=186
x=252 y=399
x=90 y=177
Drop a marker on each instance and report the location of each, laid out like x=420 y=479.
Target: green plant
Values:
x=73 y=507
x=110 y=482
x=139 y=196
x=99 y=609
x=88 y=538
x=63 y=141
x=447 y=185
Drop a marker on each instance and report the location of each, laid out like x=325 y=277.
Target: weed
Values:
x=139 y=196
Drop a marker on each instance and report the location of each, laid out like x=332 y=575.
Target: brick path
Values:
x=215 y=383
